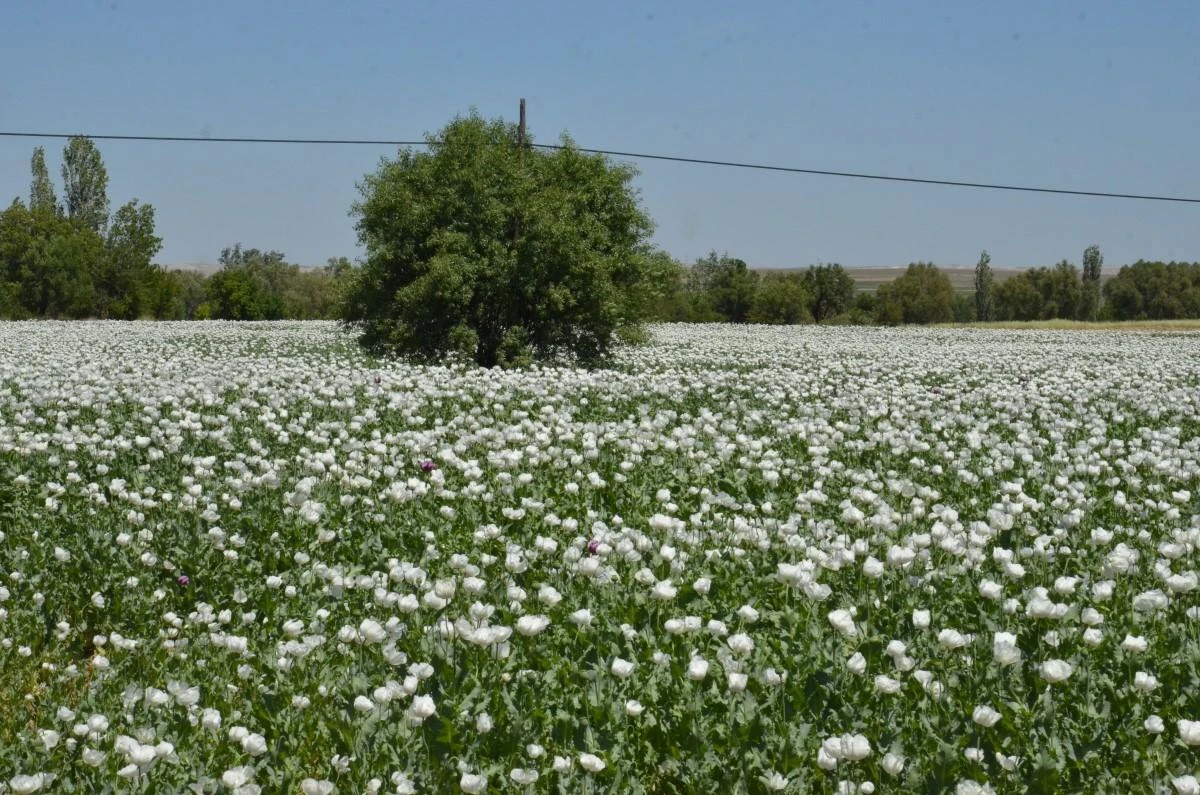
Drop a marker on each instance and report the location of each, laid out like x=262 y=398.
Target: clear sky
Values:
x=1091 y=95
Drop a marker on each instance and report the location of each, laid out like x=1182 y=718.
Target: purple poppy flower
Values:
x=593 y=546
x=183 y=581
x=427 y=465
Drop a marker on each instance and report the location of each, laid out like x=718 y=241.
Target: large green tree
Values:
x=478 y=247
x=85 y=184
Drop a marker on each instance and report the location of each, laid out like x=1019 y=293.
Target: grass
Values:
x=1190 y=324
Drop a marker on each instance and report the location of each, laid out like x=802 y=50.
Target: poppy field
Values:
x=247 y=558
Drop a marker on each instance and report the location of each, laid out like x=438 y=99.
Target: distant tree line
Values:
x=71 y=258
x=1153 y=291
x=721 y=288
x=67 y=256
x=1141 y=291
x=262 y=285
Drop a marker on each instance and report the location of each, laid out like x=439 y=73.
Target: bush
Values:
x=851 y=317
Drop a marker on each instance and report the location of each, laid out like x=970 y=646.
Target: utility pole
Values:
x=521 y=132
x=520 y=167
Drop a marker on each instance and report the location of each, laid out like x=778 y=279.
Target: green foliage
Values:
x=77 y=264
x=16 y=241
x=61 y=272
x=85 y=182
x=1060 y=289
x=964 y=309
x=251 y=284
x=128 y=282
x=781 y=299
x=830 y=290
x=1017 y=298
x=984 y=280
x=1093 y=260
x=851 y=317
x=529 y=253
x=671 y=300
x=866 y=302
x=1089 y=300
x=1089 y=294
x=1040 y=294
x=41 y=189
x=185 y=292
x=922 y=295
x=728 y=283
x=1154 y=291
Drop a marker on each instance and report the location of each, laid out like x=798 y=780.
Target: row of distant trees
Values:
x=1141 y=291
x=1061 y=292
x=72 y=258
x=721 y=288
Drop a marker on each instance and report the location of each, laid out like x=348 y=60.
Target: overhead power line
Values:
x=632 y=155
x=211 y=140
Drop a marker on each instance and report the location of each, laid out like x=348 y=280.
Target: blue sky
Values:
x=1083 y=95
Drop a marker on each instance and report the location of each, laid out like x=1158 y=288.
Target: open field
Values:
x=246 y=558
x=868 y=280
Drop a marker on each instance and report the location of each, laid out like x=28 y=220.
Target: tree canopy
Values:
x=499 y=253
x=85 y=184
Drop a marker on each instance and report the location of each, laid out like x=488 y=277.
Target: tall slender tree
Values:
x=41 y=189
x=983 y=287
x=1089 y=297
x=85 y=183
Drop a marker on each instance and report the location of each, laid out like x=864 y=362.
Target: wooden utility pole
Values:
x=521 y=132
x=520 y=167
